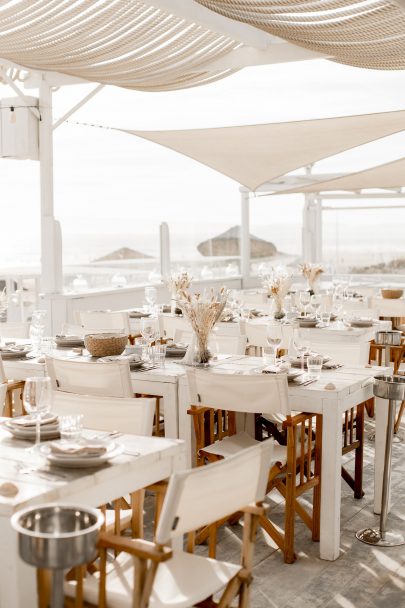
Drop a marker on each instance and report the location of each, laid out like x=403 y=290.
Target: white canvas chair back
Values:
x=217 y=343
x=369 y=313
x=256 y=334
x=197 y=497
x=106 y=320
x=261 y=393
x=88 y=378
x=3 y=377
x=68 y=329
x=168 y=325
x=14 y=330
x=125 y=415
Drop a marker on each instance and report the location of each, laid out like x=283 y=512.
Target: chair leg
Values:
x=8 y=406
x=137 y=500
x=399 y=417
x=358 y=466
x=369 y=405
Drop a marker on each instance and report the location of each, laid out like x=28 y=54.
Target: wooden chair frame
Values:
x=292 y=479
x=147 y=557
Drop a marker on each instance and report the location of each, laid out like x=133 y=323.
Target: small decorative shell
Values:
x=330 y=386
x=8 y=489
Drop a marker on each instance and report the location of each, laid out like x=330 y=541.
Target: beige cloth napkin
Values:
x=27 y=421
x=76 y=449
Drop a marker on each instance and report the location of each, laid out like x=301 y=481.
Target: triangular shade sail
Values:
x=389 y=175
x=254 y=154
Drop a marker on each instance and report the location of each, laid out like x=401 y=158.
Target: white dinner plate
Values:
x=48 y=431
x=80 y=462
x=14 y=353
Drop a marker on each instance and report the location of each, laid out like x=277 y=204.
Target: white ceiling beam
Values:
x=191 y=11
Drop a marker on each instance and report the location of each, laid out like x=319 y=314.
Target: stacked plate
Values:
x=307 y=322
x=87 y=453
x=361 y=322
x=68 y=341
x=138 y=314
x=14 y=351
x=24 y=427
x=135 y=361
x=296 y=361
x=176 y=350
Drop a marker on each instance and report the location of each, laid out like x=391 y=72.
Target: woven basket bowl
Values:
x=105 y=345
x=392 y=294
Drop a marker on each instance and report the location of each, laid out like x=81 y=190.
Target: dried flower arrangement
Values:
x=277 y=286
x=177 y=283
x=202 y=313
x=312 y=273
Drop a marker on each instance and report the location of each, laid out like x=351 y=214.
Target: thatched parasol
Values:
x=124 y=253
x=228 y=244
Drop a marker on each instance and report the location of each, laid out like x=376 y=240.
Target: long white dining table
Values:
x=354 y=384
x=158 y=458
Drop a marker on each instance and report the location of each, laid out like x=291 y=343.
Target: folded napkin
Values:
x=28 y=421
x=331 y=365
x=77 y=449
x=276 y=369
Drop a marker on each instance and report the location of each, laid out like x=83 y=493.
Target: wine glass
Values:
x=316 y=304
x=149 y=330
x=301 y=345
x=305 y=300
x=37 y=398
x=37 y=329
x=274 y=335
x=151 y=296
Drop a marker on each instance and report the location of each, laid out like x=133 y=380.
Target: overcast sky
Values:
x=107 y=179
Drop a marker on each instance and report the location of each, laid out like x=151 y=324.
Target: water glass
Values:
x=71 y=427
x=269 y=356
x=151 y=296
x=37 y=399
x=325 y=318
x=314 y=364
x=159 y=354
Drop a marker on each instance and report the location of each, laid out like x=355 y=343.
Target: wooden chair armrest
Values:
x=297 y=419
x=137 y=547
x=198 y=411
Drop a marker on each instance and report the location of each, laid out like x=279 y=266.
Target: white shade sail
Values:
x=363 y=33
x=389 y=175
x=254 y=154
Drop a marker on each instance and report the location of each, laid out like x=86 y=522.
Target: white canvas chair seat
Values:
x=14 y=330
x=228 y=446
x=181 y=582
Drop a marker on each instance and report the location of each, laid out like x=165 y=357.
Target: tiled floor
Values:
x=362 y=577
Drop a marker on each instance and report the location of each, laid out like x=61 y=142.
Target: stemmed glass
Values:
x=274 y=337
x=338 y=306
x=37 y=329
x=151 y=296
x=305 y=300
x=149 y=330
x=301 y=345
x=37 y=398
x=316 y=304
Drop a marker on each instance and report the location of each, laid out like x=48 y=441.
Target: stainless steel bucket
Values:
x=57 y=537
x=388 y=338
x=389 y=387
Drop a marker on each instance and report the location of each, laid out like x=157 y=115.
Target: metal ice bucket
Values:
x=389 y=387
x=57 y=536
x=388 y=338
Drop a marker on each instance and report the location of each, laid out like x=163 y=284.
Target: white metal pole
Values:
x=51 y=242
x=245 y=236
x=164 y=250
x=318 y=229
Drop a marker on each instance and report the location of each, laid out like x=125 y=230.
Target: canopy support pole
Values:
x=165 y=269
x=51 y=239
x=245 y=237
x=312 y=229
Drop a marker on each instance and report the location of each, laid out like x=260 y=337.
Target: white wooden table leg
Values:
x=331 y=482
x=17 y=579
x=170 y=411
x=185 y=422
x=381 y=419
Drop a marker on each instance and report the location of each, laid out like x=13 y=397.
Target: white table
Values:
x=158 y=459
x=353 y=386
